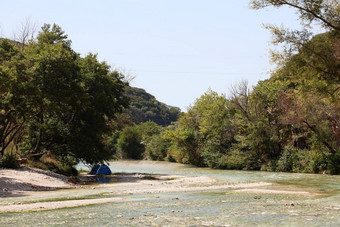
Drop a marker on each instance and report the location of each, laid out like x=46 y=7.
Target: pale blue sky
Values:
x=177 y=49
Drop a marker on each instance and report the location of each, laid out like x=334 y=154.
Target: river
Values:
x=218 y=207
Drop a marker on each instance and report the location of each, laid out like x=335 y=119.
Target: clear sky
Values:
x=177 y=49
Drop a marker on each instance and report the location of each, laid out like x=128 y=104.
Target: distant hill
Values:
x=145 y=107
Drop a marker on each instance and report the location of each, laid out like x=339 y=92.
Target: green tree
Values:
x=54 y=100
x=184 y=141
x=152 y=140
x=310 y=67
x=15 y=94
x=157 y=148
x=148 y=129
x=205 y=133
x=129 y=144
x=54 y=76
x=216 y=131
x=260 y=133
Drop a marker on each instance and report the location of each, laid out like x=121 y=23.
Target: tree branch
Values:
x=329 y=24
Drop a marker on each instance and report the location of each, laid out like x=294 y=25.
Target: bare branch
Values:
x=239 y=96
x=128 y=75
x=25 y=32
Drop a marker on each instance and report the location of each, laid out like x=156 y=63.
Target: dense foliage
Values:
x=142 y=141
x=52 y=101
x=289 y=122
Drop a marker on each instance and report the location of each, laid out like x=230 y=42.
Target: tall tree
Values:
x=205 y=133
x=14 y=93
x=310 y=65
x=56 y=100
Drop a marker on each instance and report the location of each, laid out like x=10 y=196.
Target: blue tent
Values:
x=104 y=169
x=94 y=169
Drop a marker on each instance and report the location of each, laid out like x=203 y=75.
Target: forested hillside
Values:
x=144 y=107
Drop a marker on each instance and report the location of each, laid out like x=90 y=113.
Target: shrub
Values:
x=286 y=160
x=9 y=161
x=61 y=165
x=157 y=148
x=309 y=161
x=169 y=158
x=334 y=163
x=270 y=166
x=129 y=144
x=66 y=170
x=233 y=160
x=211 y=158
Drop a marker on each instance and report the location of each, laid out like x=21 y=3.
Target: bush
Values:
x=211 y=158
x=286 y=160
x=305 y=161
x=61 y=165
x=233 y=160
x=309 y=161
x=157 y=148
x=334 y=163
x=66 y=170
x=129 y=144
x=9 y=161
x=169 y=158
x=270 y=166
x=38 y=164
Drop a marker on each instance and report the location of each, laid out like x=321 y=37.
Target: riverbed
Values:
x=145 y=193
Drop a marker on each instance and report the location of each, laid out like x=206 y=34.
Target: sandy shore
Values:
x=20 y=181
x=30 y=181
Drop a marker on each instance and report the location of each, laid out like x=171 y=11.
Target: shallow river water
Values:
x=223 y=207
